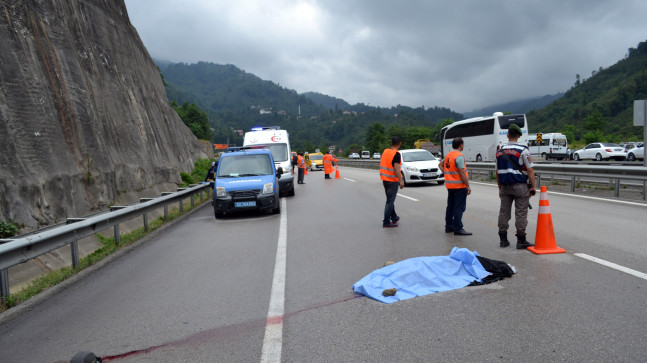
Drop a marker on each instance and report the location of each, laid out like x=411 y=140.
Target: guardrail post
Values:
x=166 y=206
x=573 y=184
x=145 y=215
x=192 y=200
x=616 y=192
x=116 y=227
x=537 y=181
x=74 y=246
x=645 y=189
x=117 y=234
x=4 y=284
x=181 y=201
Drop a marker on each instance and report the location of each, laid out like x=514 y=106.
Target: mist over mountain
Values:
x=517 y=106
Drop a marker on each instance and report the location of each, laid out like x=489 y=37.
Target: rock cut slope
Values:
x=84 y=117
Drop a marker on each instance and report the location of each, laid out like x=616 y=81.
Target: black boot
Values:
x=503 y=236
x=522 y=243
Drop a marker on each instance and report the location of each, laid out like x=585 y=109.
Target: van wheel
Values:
x=543 y=156
x=479 y=158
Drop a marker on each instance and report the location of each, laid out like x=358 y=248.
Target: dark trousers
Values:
x=456 y=203
x=391 y=191
x=300 y=175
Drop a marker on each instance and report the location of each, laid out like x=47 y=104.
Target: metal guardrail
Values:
x=613 y=171
x=24 y=248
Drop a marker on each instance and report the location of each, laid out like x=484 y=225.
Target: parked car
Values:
x=637 y=153
x=366 y=154
x=420 y=166
x=600 y=151
x=315 y=161
x=376 y=155
x=246 y=180
x=353 y=156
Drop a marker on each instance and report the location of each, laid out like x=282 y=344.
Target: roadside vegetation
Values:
x=109 y=247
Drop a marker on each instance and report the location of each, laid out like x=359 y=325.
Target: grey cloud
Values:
x=461 y=54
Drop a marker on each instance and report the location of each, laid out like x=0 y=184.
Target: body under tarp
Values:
x=420 y=276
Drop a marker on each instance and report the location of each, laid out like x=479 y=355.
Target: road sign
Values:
x=539 y=138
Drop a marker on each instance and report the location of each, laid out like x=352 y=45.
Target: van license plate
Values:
x=245 y=204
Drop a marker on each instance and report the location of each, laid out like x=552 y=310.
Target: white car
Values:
x=636 y=153
x=420 y=166
x=600 y=151
x=376 y=155
x=353 y=156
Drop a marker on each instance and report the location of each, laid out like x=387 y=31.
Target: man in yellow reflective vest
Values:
x=458 y=188
x=391 y=179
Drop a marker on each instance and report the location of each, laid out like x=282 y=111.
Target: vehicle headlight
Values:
x=220 y=192
x=412 y=169
x=268 y=188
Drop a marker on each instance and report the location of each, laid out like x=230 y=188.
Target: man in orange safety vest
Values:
x=392 y=180
x=328 y=160
x=458 y=188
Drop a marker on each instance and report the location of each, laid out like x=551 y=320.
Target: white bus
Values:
x=483 y=136
x=553 y=146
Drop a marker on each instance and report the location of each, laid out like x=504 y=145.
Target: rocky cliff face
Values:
x=84 y=118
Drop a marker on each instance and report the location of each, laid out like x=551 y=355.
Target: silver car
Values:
x=637 y=153
x=600 y=151
x=420 y=166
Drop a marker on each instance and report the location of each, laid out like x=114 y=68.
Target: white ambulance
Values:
x=278 y=142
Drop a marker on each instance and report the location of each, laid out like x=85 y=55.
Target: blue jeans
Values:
x=456 y=202
x=391 y=191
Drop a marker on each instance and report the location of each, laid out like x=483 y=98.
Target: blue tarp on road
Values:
x=420 y=276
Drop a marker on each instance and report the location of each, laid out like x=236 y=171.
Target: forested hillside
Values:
x=237 y=100
x=599 y=108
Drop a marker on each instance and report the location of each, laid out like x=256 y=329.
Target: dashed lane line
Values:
x=582 y=196
x=404 y=196
x=612 y=265
x=273 y=340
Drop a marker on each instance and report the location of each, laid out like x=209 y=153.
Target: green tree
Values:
x=375 y=137
x=594 y=121
x=569 y=131
x=196 y=119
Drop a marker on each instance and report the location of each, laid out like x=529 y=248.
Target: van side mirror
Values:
x=279 y=172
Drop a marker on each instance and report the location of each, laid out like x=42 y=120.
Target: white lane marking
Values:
x=604 y=199
x=582 y=196
x=404 y=196
x=351 y=180
x=613 y=265
x=273 y=340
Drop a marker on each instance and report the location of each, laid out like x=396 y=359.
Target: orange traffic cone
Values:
x=545 y=236
x=306 y=171
x=337 y=172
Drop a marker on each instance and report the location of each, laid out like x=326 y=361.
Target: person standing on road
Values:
x=328 y=160
x=515 y=177
x=458 y=188
x=301 y=164
x=211 y=174
x=391 y=179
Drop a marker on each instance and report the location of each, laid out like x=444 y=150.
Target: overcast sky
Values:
x=463 y=55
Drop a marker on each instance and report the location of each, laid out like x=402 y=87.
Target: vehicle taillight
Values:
x=608 y=150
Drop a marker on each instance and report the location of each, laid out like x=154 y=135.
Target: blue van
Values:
x=246 y=180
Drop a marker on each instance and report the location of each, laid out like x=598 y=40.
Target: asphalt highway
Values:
x=200 y=290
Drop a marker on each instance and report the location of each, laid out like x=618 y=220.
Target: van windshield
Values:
x=245 y=165
x=279 y=152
